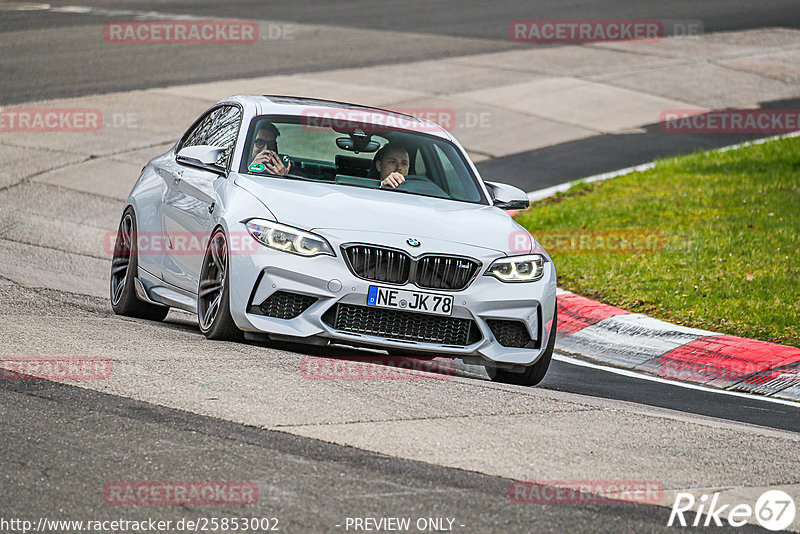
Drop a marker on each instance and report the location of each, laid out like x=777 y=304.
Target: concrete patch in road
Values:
x=142 y=155
x=781 y=66
x=707 y=85
x=38 y=266
x=23 y=162
x=583 y=445
x=596 y=106
x=436 y=77
x=292 y=85
x=46 y=207
x=716 y=45
x=489 y=129
x=124 y=122
x=574 y=60
x=101 y=176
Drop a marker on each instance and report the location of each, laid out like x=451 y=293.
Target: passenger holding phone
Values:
x=265 y=150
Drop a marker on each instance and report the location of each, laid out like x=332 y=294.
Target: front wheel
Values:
x=533 y=374
x=213 y=292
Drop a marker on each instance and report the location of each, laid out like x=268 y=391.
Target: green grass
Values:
x=717 y=240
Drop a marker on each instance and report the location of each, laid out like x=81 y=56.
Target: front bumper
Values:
x=257 y=276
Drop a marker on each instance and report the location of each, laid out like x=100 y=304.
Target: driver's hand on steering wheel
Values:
x=393 y=180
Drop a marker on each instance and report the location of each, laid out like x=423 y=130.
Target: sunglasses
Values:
x=260 y=144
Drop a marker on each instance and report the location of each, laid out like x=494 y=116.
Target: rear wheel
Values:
x=124 y=269
x=532 y=374
x=213 y=292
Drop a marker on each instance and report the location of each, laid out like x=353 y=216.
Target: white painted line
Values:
x=23 y=6
x=756 y=142
x=533 y=196
x=540 y=194
x=632 y=374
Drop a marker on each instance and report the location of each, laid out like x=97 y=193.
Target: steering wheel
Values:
x=420 y=184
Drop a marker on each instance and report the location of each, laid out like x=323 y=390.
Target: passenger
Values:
x=265 y=150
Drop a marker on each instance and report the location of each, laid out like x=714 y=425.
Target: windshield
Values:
x=358 y=156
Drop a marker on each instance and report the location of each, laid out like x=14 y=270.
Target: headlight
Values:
x=288 y=239
x=528 y=268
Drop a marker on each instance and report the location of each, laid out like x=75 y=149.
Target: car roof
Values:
x=301 y=106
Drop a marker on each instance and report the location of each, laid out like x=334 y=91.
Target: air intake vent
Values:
x=509 y=333
x=408 y=326
x=284 y=305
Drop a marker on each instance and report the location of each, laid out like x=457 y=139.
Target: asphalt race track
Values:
x=62 y=61
x=181 y=408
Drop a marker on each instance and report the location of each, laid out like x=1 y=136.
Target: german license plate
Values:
x=399 y=299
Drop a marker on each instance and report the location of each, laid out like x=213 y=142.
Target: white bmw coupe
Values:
x=295 y=219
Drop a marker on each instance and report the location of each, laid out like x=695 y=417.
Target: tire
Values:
x=533 y=374
x=124 y=269
x=213 y=292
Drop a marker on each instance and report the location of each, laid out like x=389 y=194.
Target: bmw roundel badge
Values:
x=413 y=242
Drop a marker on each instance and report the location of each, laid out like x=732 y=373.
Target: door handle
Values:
x=177 y=176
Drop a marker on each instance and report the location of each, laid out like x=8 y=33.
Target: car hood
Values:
x=319 y=206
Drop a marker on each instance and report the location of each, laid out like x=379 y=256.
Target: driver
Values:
x=265 y=149
x=392 y=164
